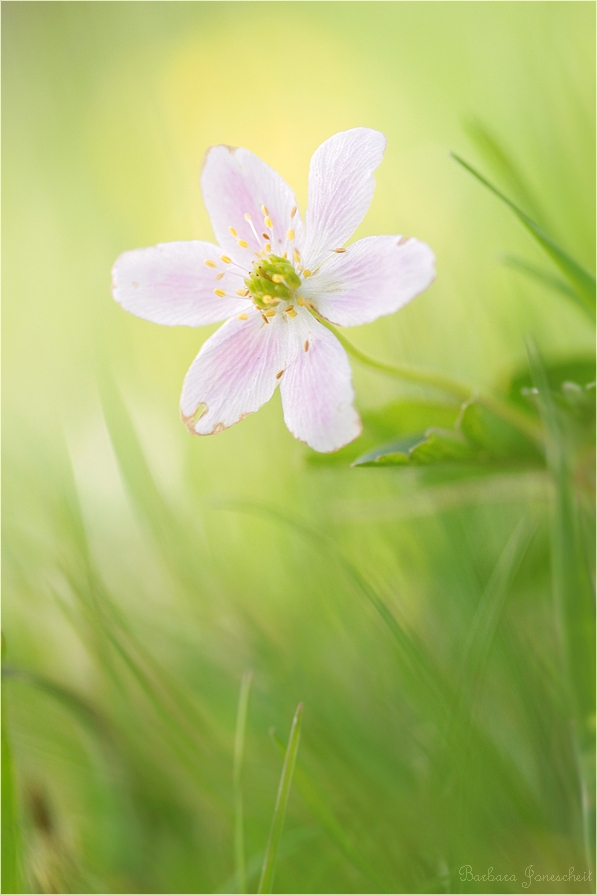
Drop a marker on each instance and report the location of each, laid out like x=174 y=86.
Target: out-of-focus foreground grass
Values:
x=146 y=570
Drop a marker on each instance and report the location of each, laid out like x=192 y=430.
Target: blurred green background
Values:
x=145 y=570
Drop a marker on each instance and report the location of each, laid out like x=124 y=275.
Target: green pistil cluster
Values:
x=271 y=281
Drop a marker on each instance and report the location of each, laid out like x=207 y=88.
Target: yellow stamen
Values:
x=220 y=292
x=284 y=255
x=339 y=251
x=220 y=275
x=265 y=235
x=306 y=273
x=264 y=210
x=271 y=313
x=243 y=317
x=290 y=311
x=248 y=217
x=243 y=244
x=264 y=318
x=279 y=375
x=290 y=234
x=278 y=278
x=297 y=255
x=232 y=231
x=226 y=259
x=268 y=247
x=293 y=212
x=242 y=292
x=301 y=301
x=210 y=263
x=268 y=222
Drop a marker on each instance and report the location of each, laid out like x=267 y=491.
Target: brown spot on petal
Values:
x=218 y=428
x=279 y=375
x=339 y=251
x=193 y=418
x=402 y=240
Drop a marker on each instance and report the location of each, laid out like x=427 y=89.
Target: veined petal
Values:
x=171 y=284
x=375 y=276
x=317 y=393
x=236 y=183
x=341 y=187
x=237 y=371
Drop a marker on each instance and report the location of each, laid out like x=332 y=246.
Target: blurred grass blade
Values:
x=317 y=806
x=12 y=875
x=542 y=276
x=239 y=754
x=502 y=164
x=269 y=864
x=582 y=281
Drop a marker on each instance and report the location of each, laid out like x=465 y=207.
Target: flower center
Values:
x=271 y=281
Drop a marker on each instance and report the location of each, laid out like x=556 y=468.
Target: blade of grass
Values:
x=541 y=276
x=502 y=164
x=314 y=802
x=12 y=864
x=269 y=864
x=582 y=281
x=239 y=754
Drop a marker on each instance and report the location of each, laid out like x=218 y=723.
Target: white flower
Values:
x=267 y=274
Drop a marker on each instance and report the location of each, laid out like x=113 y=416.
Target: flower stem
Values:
x=461 y=390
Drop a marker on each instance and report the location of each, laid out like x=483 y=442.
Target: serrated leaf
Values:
x=582 y=281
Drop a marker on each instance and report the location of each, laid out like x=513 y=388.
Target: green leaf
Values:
x=478 y=437
x=269 y=864
x=582 y=281
x=433 y=446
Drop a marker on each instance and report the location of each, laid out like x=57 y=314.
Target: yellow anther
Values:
x=297 y=255
x=290 y=311
x=278 y=278
x=306 y=273
x=264 y=210
x=243 y=244
x=279 y=374
x=290 y=234
x=293 y=212
x=271 y=313
x=220 y=275
x=232 y=231
x=265 y=235
x=248 y=217
x=268 y=222
x=264 y=318
x=243 y=317
x=226 y=259
x=339 y=251
x=301 y=301
x=242 y=292
x=268 y=247
x=220 y=292
x=210 y=263
x=284 y=255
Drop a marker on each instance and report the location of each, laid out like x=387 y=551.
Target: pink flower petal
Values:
x=171 y=284
x=375 y=276
x=341 y=187
x=235 y=182
x=237 y=371
x=317 y=393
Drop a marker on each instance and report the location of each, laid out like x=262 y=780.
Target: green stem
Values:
x=461 y=390
x=239 y=752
